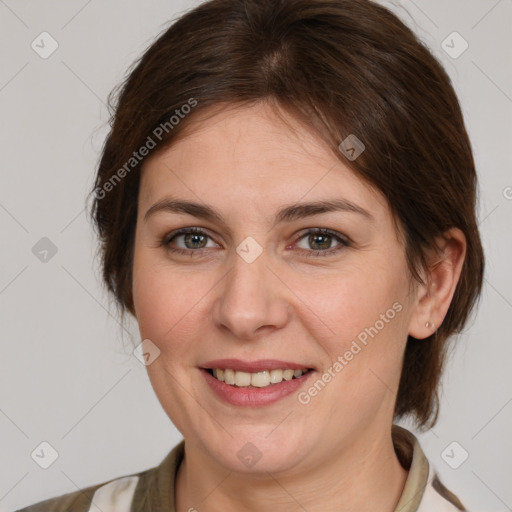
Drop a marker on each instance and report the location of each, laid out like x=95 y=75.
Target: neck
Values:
x=364 y=476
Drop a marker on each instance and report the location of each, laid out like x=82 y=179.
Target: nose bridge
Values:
x=251 y=296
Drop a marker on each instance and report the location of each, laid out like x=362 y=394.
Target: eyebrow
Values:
x=286 y=214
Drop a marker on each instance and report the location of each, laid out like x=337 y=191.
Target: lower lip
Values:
x=254 y=396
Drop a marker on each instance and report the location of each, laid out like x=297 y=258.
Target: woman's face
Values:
x=258 y=290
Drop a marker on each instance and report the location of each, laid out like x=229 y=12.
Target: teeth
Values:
x=242 y=379
x=288 y=374
x=261 y=379
x=229 y=377
x=258 y=379
x=276 y=376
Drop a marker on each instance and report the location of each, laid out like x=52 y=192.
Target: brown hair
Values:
x=342 y=66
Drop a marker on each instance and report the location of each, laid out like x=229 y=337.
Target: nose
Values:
x=251 y=300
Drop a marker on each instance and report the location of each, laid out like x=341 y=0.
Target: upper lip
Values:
x=252 y=366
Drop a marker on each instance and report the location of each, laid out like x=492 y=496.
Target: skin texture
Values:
x=336 y=451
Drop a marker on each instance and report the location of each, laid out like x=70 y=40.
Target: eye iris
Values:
x=326 y=240
x=194 y=237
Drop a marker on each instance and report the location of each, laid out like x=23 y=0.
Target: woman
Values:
x=286 y=204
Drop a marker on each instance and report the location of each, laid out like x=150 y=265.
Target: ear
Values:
x=434 y=297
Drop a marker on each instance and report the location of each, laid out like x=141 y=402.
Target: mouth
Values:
x=261 y=379
x=255 y=383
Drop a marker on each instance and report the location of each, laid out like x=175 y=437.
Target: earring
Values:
x=430 y=325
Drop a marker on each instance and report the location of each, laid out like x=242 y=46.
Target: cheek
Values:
x=360 y=301
x=168 y=303
x=366 y=309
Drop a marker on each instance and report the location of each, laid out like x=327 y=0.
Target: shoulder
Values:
x=121 y=494
x=122 y=489
x=437 y=497
x=423 y=490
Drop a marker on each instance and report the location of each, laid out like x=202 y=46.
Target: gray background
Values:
x=68 y=376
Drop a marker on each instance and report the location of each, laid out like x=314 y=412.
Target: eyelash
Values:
x=343 y=242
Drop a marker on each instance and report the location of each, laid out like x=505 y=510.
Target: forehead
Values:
x=254 y=155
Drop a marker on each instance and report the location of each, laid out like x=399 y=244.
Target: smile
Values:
x=254 y=383
x=258 y=379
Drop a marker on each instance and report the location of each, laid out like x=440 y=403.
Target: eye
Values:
x=192 y=238
x=320 y=240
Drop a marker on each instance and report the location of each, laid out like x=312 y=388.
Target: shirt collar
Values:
x=412 y=458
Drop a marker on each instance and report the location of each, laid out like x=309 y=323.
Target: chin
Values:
x=257 y=452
